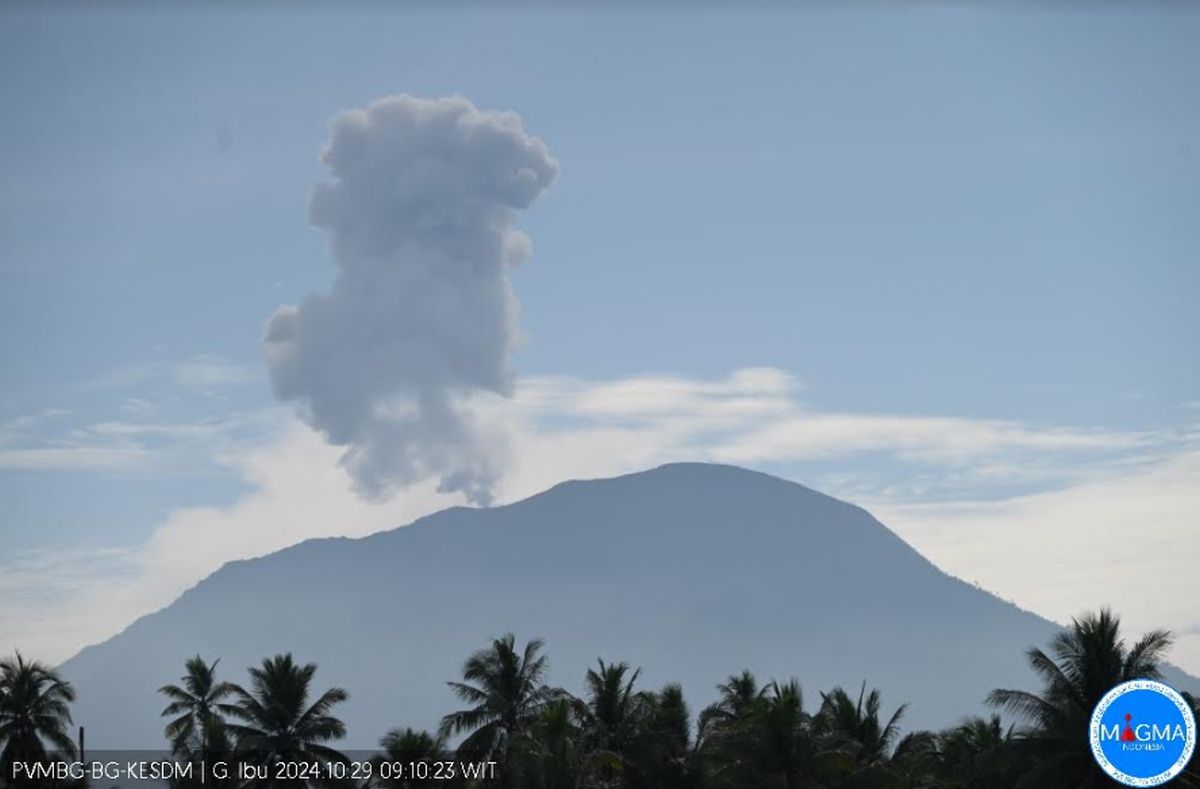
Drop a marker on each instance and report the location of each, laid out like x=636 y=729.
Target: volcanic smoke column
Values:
x=421 y=213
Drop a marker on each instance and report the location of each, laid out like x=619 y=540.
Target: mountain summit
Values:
x=691 y=571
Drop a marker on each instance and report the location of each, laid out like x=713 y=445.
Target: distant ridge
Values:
x=691 y=571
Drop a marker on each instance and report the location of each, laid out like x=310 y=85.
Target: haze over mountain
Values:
x=691 y=571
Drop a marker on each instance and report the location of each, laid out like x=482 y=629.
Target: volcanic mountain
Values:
x=691 y=571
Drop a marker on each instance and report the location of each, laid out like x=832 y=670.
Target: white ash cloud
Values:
x=421 y=213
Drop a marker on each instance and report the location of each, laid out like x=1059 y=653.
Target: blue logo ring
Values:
x=1143 y=733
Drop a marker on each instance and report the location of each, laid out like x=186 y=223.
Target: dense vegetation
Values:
x=617 y=735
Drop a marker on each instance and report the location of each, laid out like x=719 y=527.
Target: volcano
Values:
x=692 y=572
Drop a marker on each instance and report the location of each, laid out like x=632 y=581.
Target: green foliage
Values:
x=1084 y=663
x=197 y=730
x=277 y=722
x=618 y=736
x=34 y=712
x=405 y=747
x=508 y=695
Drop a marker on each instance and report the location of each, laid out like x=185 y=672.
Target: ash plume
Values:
x=420 y=212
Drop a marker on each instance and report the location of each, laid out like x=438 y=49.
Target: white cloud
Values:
x=1119 y=525
x=151 y=437
x=918 y=438
x=1129 y=541
x=55 y=602
x=748 y=392
x=138 y=443
x=15 y=428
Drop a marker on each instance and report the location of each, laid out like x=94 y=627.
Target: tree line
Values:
x=618 y=735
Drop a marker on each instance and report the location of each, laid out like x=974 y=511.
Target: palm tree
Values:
x=555 y=750
x=665 y=754
x=34 y=710
x=611 y=719
x=199 y=729
x=759 y=737
x=973 y=755
x=507 y=692
x=738 y=694
x=611 y=713
x=912 y=765
x=669 y=719
x=720 y=731
x=854 y=727
x=857 y=748
x=1086 y=661
x=401 y=748
x=278 y=724
x=781 y=736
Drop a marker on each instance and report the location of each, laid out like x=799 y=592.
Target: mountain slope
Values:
x=691 y=571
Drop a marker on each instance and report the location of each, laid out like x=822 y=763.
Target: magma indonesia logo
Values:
x=1143 y=733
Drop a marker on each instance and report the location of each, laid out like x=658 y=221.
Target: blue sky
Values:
x=924 y=211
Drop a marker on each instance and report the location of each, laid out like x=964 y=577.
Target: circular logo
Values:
x=1143 y=733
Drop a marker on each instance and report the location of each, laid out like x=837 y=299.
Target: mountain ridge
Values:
x=671 y=569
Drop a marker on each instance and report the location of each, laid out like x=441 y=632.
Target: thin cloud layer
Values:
x=1128 y=541
x=420 y=213
x=1080 y=493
